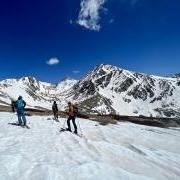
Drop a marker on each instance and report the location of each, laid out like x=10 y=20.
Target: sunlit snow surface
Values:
x=122 y=151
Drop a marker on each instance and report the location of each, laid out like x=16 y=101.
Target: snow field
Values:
x=122 y=151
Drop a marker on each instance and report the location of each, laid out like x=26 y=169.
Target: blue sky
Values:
x=139 y=35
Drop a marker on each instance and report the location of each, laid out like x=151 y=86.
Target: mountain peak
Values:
x=68 y=79
x=101 y=70
x=28 y=78
x=106 y=66
x=66 y=84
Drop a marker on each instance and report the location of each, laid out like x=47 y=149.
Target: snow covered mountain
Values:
x=36 y=93
x=109 y=89
x=106 y=90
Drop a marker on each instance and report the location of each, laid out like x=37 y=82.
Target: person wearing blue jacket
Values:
x=20 y=105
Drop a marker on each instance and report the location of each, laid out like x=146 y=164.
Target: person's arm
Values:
x=67 y=111
x=24 y=104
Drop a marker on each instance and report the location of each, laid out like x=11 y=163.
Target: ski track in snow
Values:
x=122 y=151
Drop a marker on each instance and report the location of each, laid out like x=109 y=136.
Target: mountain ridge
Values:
x=106 y=89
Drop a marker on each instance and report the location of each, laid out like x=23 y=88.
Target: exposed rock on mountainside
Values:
x=104 y=90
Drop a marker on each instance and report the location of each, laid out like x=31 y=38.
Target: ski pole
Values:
x=29 y=121
x=79 y=126
x=64 y=124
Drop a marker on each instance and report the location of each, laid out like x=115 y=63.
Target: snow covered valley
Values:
x=123 y=151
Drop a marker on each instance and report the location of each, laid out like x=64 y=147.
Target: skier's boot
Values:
x=67 y=129
x=75 y=132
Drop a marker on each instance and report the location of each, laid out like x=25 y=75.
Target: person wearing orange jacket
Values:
x=72 y=117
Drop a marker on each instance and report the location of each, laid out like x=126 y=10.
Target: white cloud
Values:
x=53 y=61
x=76 y=71
x=89 y=15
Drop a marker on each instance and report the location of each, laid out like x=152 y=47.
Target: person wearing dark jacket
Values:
x=72 y=116
x=55 y=110
x=20 y=105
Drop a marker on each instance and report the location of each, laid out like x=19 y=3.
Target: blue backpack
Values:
x=20 y=104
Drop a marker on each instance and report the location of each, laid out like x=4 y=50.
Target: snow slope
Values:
x=124 y=151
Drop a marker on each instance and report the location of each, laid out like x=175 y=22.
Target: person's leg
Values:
x=19 y=118
x=74 y=123
x=54 y=114
x=24 y=118
x=68 y=123
x=57 y=115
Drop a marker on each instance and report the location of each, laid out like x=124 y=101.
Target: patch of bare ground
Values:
x=106 y=119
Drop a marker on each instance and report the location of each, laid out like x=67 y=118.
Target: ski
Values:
x=16 y=124
x=65 y=130
x=27 y=127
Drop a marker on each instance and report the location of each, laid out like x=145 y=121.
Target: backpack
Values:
x=20 y=104
x=54 y=107
x=76 y=111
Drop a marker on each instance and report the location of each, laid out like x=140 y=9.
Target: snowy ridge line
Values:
x=104 y=90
